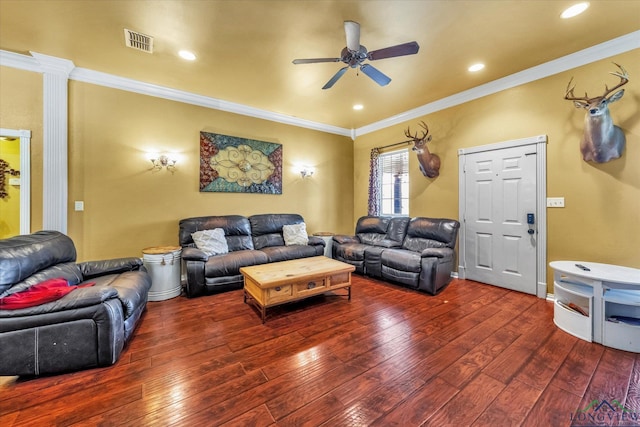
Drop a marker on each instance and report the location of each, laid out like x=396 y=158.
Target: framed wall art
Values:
x=238 y=165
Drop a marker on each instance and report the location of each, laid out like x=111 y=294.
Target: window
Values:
x=394 y=183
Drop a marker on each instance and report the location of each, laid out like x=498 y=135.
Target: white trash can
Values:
x=163 y=264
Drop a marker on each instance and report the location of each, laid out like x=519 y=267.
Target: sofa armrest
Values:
x=91 y=269
x=316 y=241
x=437 y=252
x=388 y=243
x=342 y=239
x=194 y=254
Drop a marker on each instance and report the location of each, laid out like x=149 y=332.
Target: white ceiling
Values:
x=245 y=47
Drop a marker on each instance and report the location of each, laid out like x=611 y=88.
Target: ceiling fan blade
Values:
x=352 y=30
x=335 y=78
x=315 y=60
x=376 y=75
x=398 y=50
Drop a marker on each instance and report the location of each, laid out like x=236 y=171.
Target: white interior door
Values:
x=500 y=217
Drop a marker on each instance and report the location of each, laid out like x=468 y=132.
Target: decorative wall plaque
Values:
x=239 y=165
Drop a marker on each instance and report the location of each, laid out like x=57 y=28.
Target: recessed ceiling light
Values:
x=476 y=67
x=574 y=10
x=358 y=107
x=185 y=54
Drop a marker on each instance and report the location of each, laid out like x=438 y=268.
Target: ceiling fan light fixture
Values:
x=185 y=54
x=574 y=10
x=476 y=67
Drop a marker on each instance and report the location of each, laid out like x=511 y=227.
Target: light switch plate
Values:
x=555 y=202
x=79 y=205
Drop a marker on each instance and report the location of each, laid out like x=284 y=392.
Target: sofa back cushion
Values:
x=372 y=229
x=24 y=256
x=237 y=230
x=423 y=233
x=266 y=229
x=397 y=229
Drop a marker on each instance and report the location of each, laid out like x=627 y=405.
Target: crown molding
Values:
x=116 y=82
x=598 y=52
x=19 y=61
x=53 y=65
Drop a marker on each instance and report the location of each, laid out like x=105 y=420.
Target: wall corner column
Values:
x=55 y=135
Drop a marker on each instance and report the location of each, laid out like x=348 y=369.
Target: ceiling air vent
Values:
x=138 y=41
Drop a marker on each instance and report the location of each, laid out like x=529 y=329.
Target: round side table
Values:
x=163 y=264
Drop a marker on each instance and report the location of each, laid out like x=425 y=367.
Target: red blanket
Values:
x=47 y=291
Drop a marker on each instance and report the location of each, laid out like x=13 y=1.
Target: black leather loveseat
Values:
x=415 y=252
x=253 y=240
x=87 y=327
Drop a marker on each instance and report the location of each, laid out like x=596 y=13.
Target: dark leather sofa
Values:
x=88 y=327
x=414 y=252
x=251 y=241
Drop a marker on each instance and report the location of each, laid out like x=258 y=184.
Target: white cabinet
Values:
x=621 y=319
x=600 y=304
x=573 y=307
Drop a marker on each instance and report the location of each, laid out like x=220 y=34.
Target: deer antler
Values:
x=571 y=97
x=408 y=134
x=622 y=74
x=624 y=78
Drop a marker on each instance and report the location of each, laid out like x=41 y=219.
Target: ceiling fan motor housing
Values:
x=353 y=58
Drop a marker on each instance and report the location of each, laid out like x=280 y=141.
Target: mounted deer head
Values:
x=429 y=163
x=602 y=140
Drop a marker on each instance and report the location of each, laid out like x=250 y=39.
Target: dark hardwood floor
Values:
x=474 y=355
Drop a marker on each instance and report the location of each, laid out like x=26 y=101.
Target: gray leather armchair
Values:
x=88 y=327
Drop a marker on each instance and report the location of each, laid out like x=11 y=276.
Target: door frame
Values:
x=540 y=143
x=25 y=175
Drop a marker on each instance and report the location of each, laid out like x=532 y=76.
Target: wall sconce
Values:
x=306 y=172
x=163 y=161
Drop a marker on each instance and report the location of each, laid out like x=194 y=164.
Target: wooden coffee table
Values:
x=268 y=285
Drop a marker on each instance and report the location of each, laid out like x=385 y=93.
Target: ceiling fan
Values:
x=354 y=54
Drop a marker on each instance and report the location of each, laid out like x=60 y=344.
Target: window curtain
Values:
x=374 y=183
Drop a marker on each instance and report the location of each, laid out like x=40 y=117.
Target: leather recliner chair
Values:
x=88 y=327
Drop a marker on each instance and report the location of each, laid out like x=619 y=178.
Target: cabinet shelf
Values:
x=621 y=296
x=574 y=320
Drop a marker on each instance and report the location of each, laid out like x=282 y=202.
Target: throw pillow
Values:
x=295 y=234
x=211 y=242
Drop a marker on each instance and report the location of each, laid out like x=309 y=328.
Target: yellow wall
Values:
x=10 y=205
x=21 y=108
x=600 y=220
x=129 y=207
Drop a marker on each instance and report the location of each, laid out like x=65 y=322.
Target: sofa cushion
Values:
x=266 y=229
x=403 y=260
x=237 y=230
x=284 y=253
x=423 y=233
x=372 y=229
x=132 y=287
x=70 y=271
x=22 y=256
x=211 y=242
x=295 y=234
x=230 y=264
